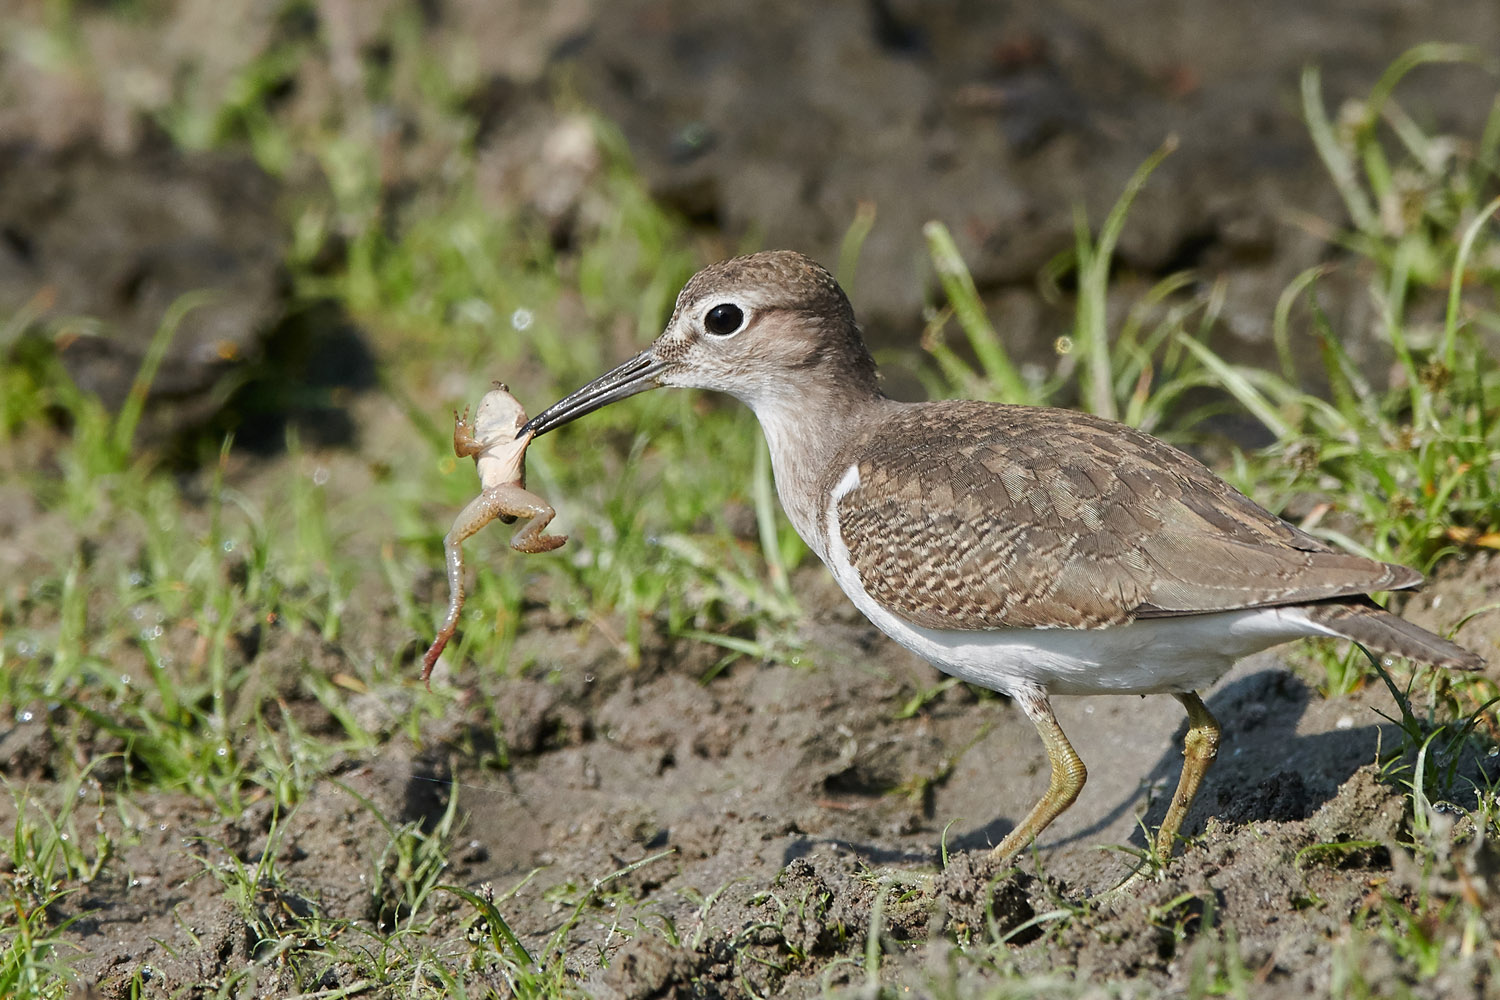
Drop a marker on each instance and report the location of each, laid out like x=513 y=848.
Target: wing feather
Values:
x=976 y=515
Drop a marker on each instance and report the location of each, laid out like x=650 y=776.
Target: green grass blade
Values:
x=1093 y=287
x=135 y=400
x=1235 y=381
x=1332 y=153
x=1280 y=330
x=1456 y=281
x=958 y=286
x=500 y=933
x=763 y=487
x=1417 y=55
x=853 y=243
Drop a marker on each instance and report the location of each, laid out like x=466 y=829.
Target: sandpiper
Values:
x=1029 y=550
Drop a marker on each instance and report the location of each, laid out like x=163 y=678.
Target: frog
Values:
x=498 y=448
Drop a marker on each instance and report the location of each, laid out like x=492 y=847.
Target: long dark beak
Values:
x=636 y=375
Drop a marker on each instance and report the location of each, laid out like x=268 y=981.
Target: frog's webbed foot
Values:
x=531 y=541
x=531 y=538
x=430 y=658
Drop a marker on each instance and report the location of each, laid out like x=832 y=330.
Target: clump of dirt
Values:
x=124 y=240
x=779 y=818
x=777 y=861
x=802 y=929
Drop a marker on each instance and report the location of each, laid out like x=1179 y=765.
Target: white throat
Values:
x=805 y=438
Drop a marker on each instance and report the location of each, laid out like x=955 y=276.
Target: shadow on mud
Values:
x=1265 y=771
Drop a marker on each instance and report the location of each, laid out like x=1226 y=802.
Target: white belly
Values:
x=1154 y=655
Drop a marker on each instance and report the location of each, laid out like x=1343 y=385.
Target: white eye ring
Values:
x=725 y=319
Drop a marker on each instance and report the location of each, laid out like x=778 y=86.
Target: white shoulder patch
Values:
x=838 y=553
x=849 y=481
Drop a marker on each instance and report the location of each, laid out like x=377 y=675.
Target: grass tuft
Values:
x=1408 y=471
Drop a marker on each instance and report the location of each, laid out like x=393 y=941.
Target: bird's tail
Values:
x=1383 y=632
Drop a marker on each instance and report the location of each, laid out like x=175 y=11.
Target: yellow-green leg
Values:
x=1068 y=776
x=1199 y=749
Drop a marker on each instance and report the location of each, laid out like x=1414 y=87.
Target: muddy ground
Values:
x=781 y=805
x=793 y=797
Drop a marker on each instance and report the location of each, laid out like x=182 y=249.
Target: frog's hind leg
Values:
x=530 y=539
x=480 y=511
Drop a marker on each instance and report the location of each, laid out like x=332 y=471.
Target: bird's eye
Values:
x=724 y=319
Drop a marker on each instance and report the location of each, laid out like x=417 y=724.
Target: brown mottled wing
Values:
x=977 y=515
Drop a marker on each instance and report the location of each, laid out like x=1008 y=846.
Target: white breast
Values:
x=495 y=424
x=1144 y=657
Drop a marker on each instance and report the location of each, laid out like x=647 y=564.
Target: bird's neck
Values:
x=807 y=428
